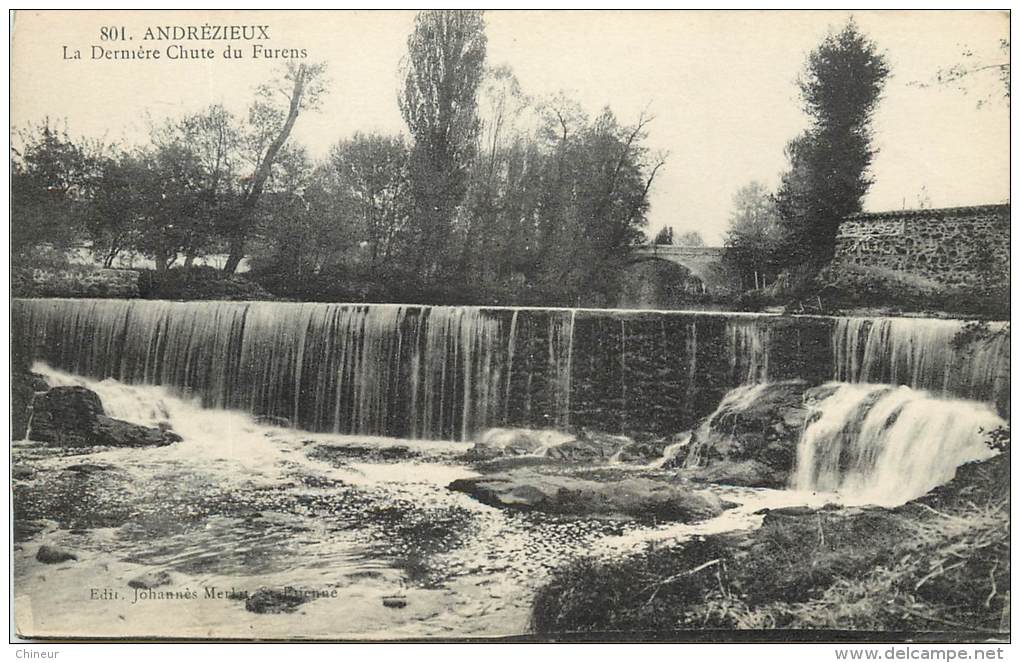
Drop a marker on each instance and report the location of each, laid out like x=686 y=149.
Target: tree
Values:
x=664 y=236
x=441 y=73
x=212 y=141
x=972 y=70
x=52 y=178
x=754 y=239
x=114 y=212
x=271 y=119
x=168 y=198
x=829 y=163
x=371 y=175
x=596 y=207
x=690 y=238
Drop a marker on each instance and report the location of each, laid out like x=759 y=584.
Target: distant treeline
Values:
x=495 y=196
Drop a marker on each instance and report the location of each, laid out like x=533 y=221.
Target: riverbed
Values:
x=364 y=526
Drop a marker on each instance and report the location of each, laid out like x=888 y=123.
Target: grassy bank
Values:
x=938 y=564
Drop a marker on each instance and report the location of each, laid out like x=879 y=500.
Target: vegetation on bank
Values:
x=888 y=294
x=937 y=564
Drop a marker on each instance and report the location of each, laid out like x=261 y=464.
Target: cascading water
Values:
x=920 y=353
x=408 y=371
x=884 y=445
x=749 y=351
x=449 y=372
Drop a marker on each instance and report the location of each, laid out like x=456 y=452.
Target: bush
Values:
x=852 y=286
x=199 y=283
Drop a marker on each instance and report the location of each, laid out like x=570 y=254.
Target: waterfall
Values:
x=442 y=372
x=877 y=444
x=920 y=353
x=409 y=371
x=749 y=345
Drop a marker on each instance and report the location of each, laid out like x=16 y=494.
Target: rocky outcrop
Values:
x=117 y=433
x=751 y=439
x=74 y=417
x=647 y=451
x=632 y=498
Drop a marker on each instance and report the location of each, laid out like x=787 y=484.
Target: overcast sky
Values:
x=722 y=86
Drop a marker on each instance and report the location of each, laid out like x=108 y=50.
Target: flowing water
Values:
x=350 y=498
x=237 y=506
x=875 y=444
x=438 y=372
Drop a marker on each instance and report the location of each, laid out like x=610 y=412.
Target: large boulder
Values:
x=74 y=417
x=65 y=416
x=630 y=498
x=751 y=439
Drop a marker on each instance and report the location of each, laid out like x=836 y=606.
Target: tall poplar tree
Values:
x=442 y=71
x=829 y=163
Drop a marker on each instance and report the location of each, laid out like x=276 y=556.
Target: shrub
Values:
x=199 y=283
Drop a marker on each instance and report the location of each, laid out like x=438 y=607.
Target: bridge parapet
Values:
x=705 y=262
x=669 y=251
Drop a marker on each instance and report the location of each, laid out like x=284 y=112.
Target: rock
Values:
x=54 y=555
x=589 y=446
x=274 y=601
x=65 y=416
x=74 y=417
x=631 y=498
x=647 y=451
x=751 y=439
x=340 y=454
x=394 y=602
x=117 y=433
x=497 y=442
x=507 y=463
x=749 y=473
x=150 y=580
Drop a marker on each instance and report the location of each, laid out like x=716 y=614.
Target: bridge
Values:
x=704 y=262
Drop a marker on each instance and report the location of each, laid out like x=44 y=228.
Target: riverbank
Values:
x=937 y=567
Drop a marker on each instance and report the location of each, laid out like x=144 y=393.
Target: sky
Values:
x=721 y=86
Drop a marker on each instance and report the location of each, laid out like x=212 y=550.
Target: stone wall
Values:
x=950 y=247
x=75 y=282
